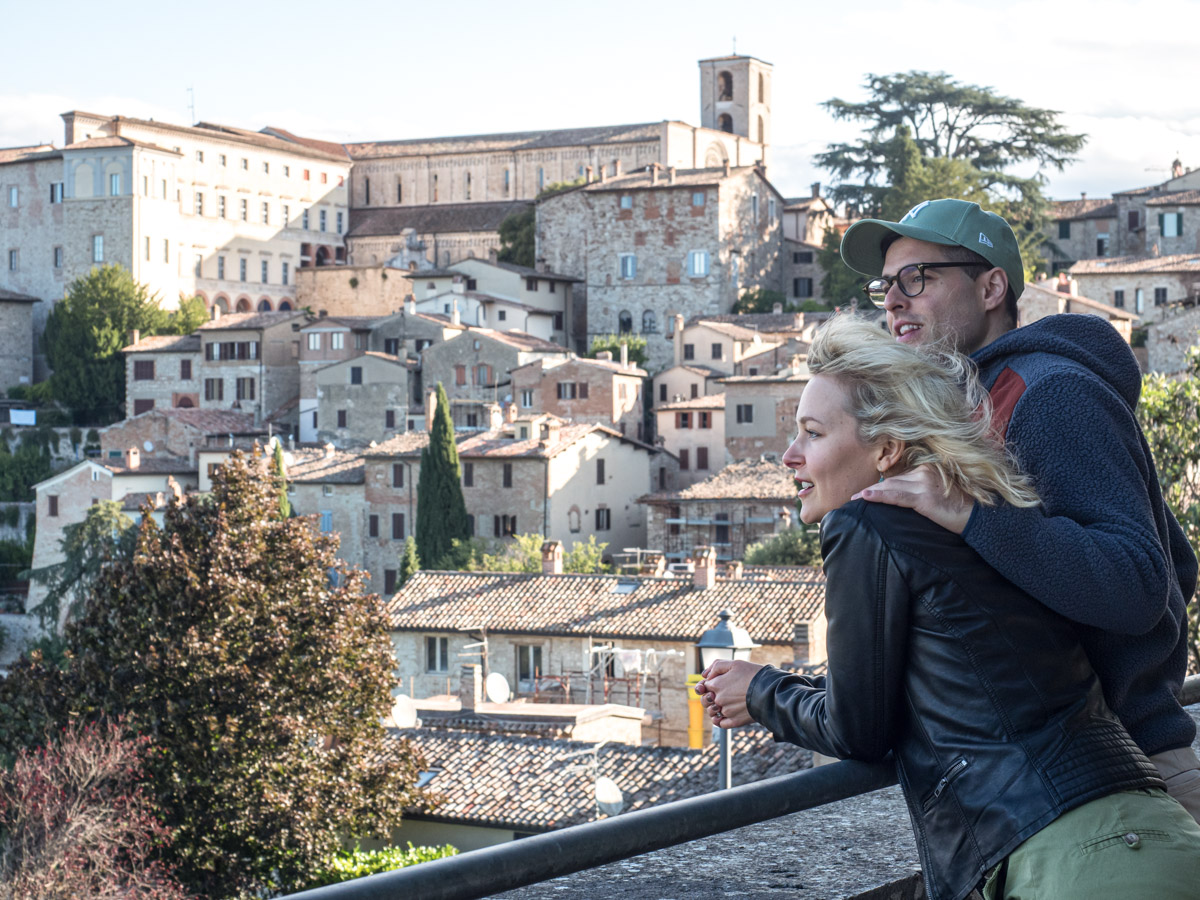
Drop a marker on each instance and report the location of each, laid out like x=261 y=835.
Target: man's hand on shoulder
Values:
x=921 y=489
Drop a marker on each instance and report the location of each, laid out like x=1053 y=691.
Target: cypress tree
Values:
x=279 y=471
x=410 y=563
x=441 y=511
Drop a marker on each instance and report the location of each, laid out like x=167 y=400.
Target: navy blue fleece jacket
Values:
x=1103 y=549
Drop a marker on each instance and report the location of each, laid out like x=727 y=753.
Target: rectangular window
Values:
x=689 y=351
x=304 y=220
x=321 y=220
x=56 y=192
x=285 y=213
x=662 y=478
x=771 y=209
x=244 y=206
x=437 y=654
x=147 y=248
x=143 y=370
x=603 y=519
x=114 y=185
x=265 y=269
x=266 y=213
x=398 y=475
x=163 y=184
x=355 y=372
x=214 y=388
x=662 y=393
x=242 y=269
x=266 y=168
x=1102 y=245
x=698 y=263
x=721 y=528
x=197 y=265
x=460 y=375
x=800 y=257
x=58 y=257
x=339 y=223
x=529 y=666
x=245 y=164
x=12 y=260
x=373 y=526
x=531 y=284
x=566 y=390
x=468 y=474
x=391 y=346
x=698 y=198
x=1064 y=230
x=324 y=178
x=1134 y=220
x=1139 y=301
x=754 y=207
x=705 y=420
x=52 y=504
x=337 y=340
x=701 y=457
x=527 y=399
x=245 y=388
x=718 y=352
x=220 y=207
x=389 y=581
x=745 y=413
x=287 y=171
x=684 y=461
x=1119 y=299
x=283 y=273
x=341 y=418
x=326 y=521
x=504 y=526
x=142 y=406
x=397 y=526
x=221 y=159
x=97 y=248
x=1160 y=296
x=694 y=390
x=683 y=420
x=389 y=419
x=13 y=197
x=626 y=201
x=185 y=370
x=802 y=287
x=166 y=250
x=507 y=475
x=1170 y=224
x=628 y=265
x=220 y=267
x=600 y=479
x=199 y=203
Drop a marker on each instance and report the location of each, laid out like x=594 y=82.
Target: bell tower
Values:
x=735 y=96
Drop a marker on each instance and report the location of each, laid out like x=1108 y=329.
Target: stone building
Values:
x=360 y=400
x=177 y=433
x=16 y=338
x=534 y=475
x=328 y=484
x=705 y=350
x=1147 y=286
x=475 y=364
x=426 y=235
x=741 y=504
x=322 y=342
x=551 y=623
x=760 y=411
x=692 y=431
x=212 y=211
x=249 y=363
x=802 y=274
x=162 y=372
x=1079 y=229
x=601 y=391
x=654 y=245
x=1047 y=298
x=1168 y=340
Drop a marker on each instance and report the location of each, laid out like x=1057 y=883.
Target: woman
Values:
x=1017 y=776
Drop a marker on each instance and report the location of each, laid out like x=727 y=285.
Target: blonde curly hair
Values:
x=927 y=397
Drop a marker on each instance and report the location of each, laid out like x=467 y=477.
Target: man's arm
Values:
x=1091 y=552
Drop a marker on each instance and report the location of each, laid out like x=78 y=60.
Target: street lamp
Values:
x=724 y=641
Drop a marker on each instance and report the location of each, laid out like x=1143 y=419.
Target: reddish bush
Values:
x=74 y=821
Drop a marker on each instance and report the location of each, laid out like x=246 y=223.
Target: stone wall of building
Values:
x=166 y=387
x=376 y=290
x=613 y=398
x=729 y=525
x=354 y=415
x=343 y=504
x=1168 y=340
x=1102 y=287
x=773 y=403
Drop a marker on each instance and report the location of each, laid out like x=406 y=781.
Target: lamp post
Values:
x=724 y=641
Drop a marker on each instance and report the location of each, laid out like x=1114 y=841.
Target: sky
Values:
x=1124 y=74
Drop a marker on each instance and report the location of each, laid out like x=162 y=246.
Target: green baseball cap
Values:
x=954 y=223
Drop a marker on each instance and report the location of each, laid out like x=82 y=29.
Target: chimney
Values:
x=734 y=570
x=1072 y=287
x=512 y=412
x=216 y=311
x=540 y=264
x=430 y=407
x=777 y=308
x=553 y=427
x=670 y=174
x=1176 y=168
x=727 y=167
x=604 y=355
x=816 y=190
x=624 y=355
x=455 y=315
x=800 y=643
x=1083 y=195
x=470 y=687
x=410 y=305
x=784 y=521
x=330 y=450
x=706 y=568
x=616 y=168
x=291 y=441
x=458 y=285
x=134 y=336
x=653 y=167
x=495 y=416
x=552 y=558
x=603 y=173
x=590 y=174
x=133 y=458
x=678 y=339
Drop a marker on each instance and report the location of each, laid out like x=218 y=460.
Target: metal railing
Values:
x=492 y=870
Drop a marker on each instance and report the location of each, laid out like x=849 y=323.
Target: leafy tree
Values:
x=794 y=547
x=261 y=669
x=612 y=343
x=279 y=473
x=761 y=300
x=410 y=562
x=524 y=554
x=192 y=313
x=84 y=336
x=518 y=242
x=1169 y=413
x=840 y=284
x=75 y=820
x=357 y=863
x=441 y=510
x=20 y=471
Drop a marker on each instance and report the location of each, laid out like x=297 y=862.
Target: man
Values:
x=1103 y=550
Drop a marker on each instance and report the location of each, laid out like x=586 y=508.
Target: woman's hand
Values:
x=922 y=489
x=723 y=691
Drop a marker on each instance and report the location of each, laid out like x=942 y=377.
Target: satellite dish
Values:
x=404 y=712
x=609 y=798
x=148 y=446
x=497 y=689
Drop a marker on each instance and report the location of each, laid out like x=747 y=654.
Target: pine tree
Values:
x=410 y=563
x=441 y=510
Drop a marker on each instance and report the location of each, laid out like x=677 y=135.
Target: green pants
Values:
x=1126 y=846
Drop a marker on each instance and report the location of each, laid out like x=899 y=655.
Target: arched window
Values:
x=185 y=402
x=284 y=305
x=468 y=186
x=725 y=86
x=221 y=302
x=649 y=325
x=762 y=131
x=625 y=322
x=322 y=256
x=243 y=305
x=541 y=178
x=264 y=305
x=762 y=94
x=725 y=123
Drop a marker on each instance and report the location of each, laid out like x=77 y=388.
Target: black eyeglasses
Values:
x=911 y=280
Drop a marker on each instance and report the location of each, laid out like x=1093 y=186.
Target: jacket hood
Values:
x=1087 y=340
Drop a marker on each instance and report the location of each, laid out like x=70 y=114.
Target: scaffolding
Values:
x=730 y=533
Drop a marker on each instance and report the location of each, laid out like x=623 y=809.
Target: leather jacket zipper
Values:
x=953 y=772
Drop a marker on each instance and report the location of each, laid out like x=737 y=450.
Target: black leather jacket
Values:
x=985 y=697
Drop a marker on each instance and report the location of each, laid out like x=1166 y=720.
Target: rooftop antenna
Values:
x=735 y=45
x=191 y=105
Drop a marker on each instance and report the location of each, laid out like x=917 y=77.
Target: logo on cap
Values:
x=912 y=213
x=983 y=239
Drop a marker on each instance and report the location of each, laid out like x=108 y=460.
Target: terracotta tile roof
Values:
x=797 y=375
x=780 y=355
x=360 y=323
x=735 y=331
x=435 y=219
x=613 y=366
x=520 y=339
x=535 y=784
x=483 y=444
x=165 y=343
x=1176 y=198
x=441 y=320
x=100 y=143
x=1097 y=208
x=330 y=147
x=764 y=323
x=151 y=465
x=640 y=179
x=316 y=465
x=1181 y=262
x=212 y=421
x=706 y=371
x=525 y=271
x=18 y=154
x=232 y=321
x=784 y=573
x=748 y=479
x=520 y=140
x=652 y=608
x=240 y=135
x=1083 y=303
x=14 y=297
x=712 y=401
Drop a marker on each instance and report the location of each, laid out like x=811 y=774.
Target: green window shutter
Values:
x=1161 y=223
